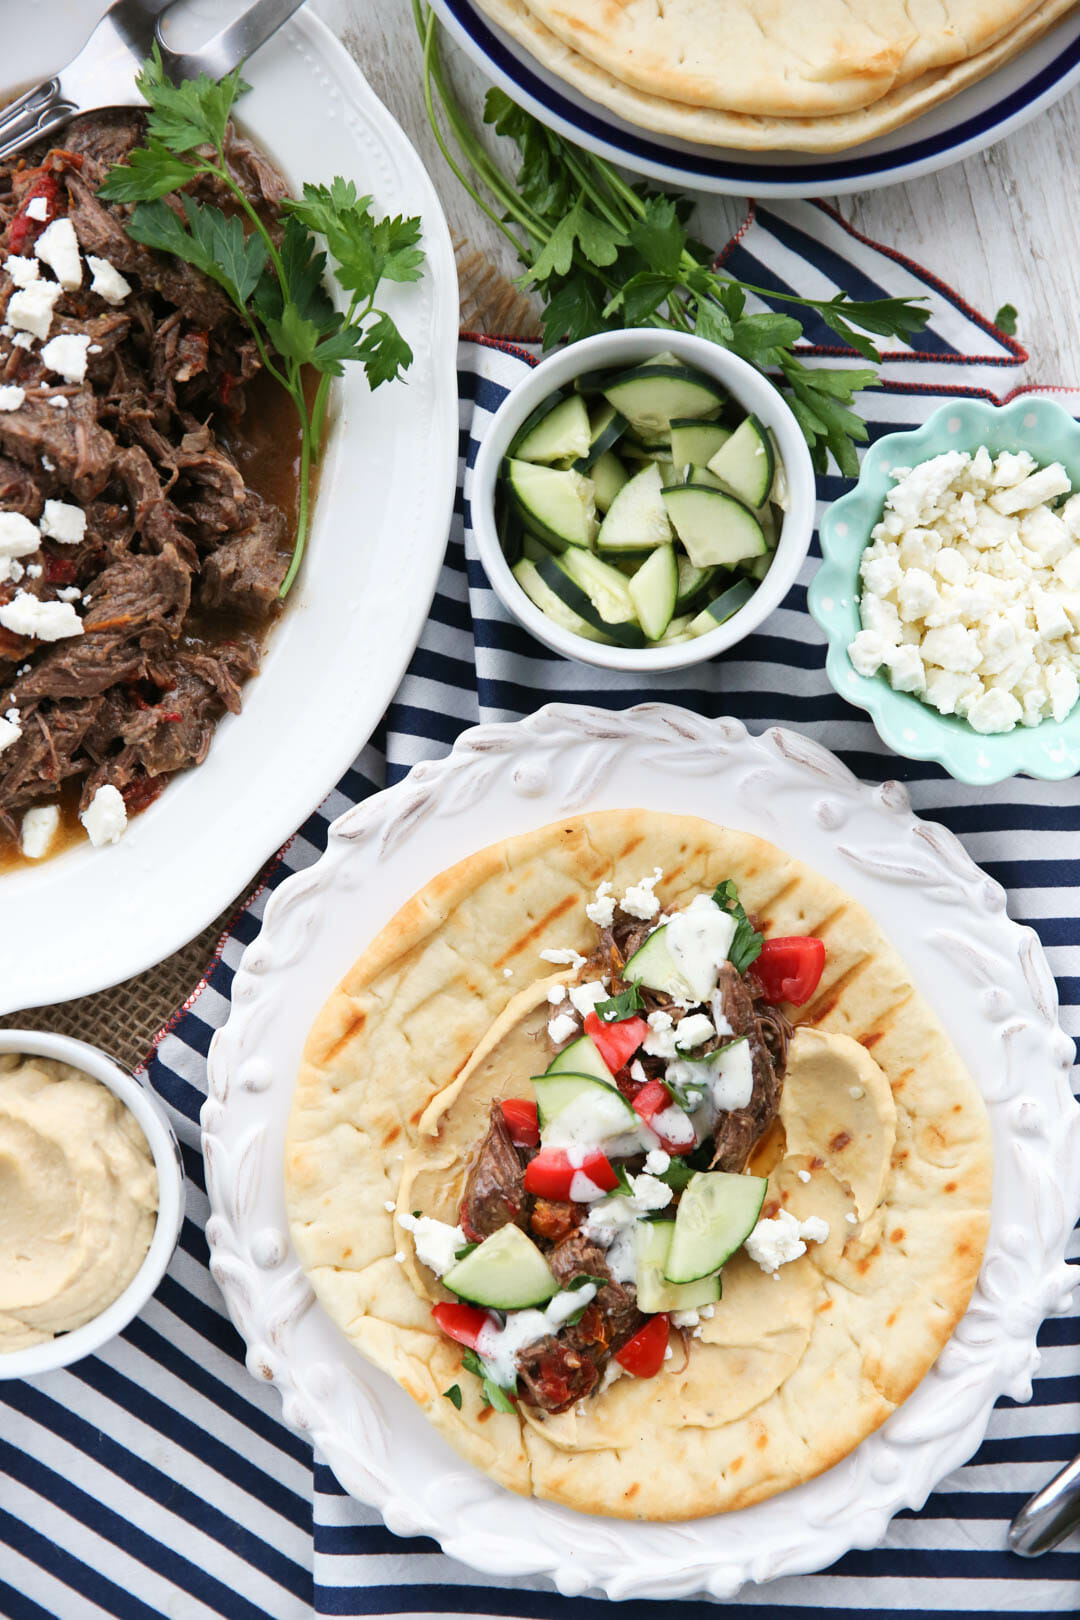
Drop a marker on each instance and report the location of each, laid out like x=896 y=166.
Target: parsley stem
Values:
x=300 y=540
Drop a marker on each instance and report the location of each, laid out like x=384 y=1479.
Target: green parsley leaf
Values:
x=150 y=172
x=472 y=1363
x=747 y=943
x=497 y=1397
x=659 y=236
x=192 y=113
x=574 y=312
x=622 y=1187
x=585 y=1277
x=714 y=322
x=453 y=1395
x=677 y=1175
x=599 y=242
x=624 y=1005
x=384 y=352
x=466 y=1249
x=156 y=226
x=1006 y=318
x=642 y=296
x=762 y=338
x=688 y=1097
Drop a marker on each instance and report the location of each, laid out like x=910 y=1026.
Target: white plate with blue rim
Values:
x=975 y=118
x=89 y=917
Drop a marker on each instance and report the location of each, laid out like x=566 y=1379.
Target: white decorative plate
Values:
x=971 y=120
x=986 y=976
x=91 y=917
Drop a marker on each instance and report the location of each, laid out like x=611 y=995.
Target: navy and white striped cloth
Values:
x=157 y=1477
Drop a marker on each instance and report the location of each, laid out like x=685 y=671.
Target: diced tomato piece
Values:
x=551 y=1175
x=618 y=1042
x=652 y=1101
x=461 y=1322
x=643 y=1355
x=521 y=1121
x=790 y=969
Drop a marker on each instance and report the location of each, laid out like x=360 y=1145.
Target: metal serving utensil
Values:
x=103 y=73
x=1050 y=1514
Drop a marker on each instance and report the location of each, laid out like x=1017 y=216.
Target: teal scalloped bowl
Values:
x=905 y=724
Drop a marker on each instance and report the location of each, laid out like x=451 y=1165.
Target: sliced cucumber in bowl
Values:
x=653 y=589
x=714 y=527
x=562 y=432
x=744 y=463
x=602 y=599
x=560 y=504
x=649 y=396
x=637 y=518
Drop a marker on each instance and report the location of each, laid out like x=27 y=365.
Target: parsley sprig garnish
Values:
x=747 y=943
x=624 y=1005
x=276 y=283
x=492 y=1393
x=602 y=253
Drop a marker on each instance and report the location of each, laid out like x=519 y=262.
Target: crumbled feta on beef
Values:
x=58 y=247
x=39 y=828
x=24 y=615
x=31 y=308
x=105 y=817
x=108 y=283
x=66 y=354
x=601 y=911
x=64 y=522
x=11 y=396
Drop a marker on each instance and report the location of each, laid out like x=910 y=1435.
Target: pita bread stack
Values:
x=766 y=75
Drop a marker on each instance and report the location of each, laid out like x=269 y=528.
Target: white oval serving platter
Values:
x=986 y=976
x=91 y=917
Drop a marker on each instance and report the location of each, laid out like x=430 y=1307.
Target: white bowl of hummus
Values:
x=91 y=1200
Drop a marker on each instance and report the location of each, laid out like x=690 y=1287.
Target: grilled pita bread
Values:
x=427 y=1029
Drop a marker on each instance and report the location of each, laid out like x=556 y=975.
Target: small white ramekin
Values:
x=627 y=348
x=82 y=1341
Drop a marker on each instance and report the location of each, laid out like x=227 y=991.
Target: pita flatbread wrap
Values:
x=716 y=121
x=881 y=1134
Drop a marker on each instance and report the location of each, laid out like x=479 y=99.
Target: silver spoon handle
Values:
x=1050 y=1515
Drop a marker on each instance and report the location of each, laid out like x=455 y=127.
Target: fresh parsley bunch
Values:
x=602 y=253
x=278 y=286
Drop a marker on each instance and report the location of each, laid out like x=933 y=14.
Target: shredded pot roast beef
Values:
x=562 y=1368
x=177 y=574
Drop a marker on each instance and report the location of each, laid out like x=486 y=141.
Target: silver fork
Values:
x=103 y=73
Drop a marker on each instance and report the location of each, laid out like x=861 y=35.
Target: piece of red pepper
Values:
x=22 y=226
x=790 y=968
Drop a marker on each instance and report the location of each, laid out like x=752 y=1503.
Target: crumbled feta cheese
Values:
x=34 y=570
x=637 y=1072
x=436 y=1243
x=685 y=1319
x=10 y=732
x=773 y=1243
x=389 y=1206
x=561 y=958
x=66 y=354
x=693 y=1030
x=649 y=1194
x=105 y=817
x=803 y=1175
x=561 y=1027
x=657 y=1161
x=556 y=995
x=971 y=590
x=31 y=308
x=67 y=593
x=508 y=973
x=39 y=827
x=64 y=522
x=601 y=911
x=18 y=536
x=58 y=247
x=37 y=208
x=660 y=1041
x=58 y=402
x=24 y=615
x=668 y=1353
x=11 y=396
x=23 y=340
x=400 y=1257
x=585 y=996
x=108 y=283
x=851 y=1217
x=639 y=899
x=21 y=270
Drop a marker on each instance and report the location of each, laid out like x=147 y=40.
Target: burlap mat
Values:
x=125 y=1019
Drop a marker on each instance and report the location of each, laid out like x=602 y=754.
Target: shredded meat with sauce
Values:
x=177 y=575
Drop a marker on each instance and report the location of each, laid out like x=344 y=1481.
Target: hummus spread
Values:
x=78 y=1199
